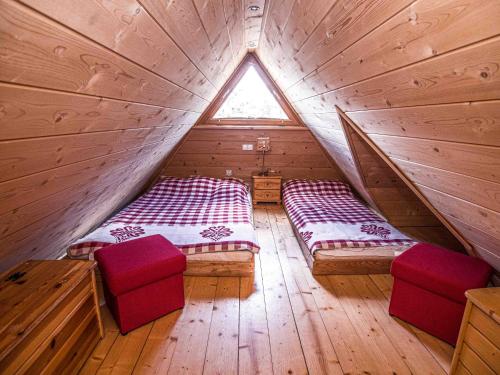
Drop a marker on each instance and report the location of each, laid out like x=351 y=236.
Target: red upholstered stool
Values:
x=142 y=280
x=429 y=287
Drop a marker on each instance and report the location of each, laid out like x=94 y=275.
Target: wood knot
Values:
x=15 y=276
x=59 y=51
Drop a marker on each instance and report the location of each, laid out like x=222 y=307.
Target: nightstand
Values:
x=478 y=346
x=266 y=189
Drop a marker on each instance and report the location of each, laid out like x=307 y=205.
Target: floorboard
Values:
x=283 y=320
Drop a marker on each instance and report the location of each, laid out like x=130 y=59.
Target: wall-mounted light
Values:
x=254 y=8
x=264 y=146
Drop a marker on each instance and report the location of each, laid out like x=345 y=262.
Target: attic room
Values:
x=250 y=187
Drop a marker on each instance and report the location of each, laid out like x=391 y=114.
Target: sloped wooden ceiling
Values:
x=93 y=96
x=420 y=78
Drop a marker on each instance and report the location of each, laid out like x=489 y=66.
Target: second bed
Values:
x=338 y=234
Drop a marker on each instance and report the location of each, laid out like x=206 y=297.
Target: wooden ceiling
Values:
x=420 y=78
x=92 y=101
x=93 y=97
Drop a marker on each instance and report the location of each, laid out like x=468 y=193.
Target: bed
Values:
x=337 y=233
x=208 y=219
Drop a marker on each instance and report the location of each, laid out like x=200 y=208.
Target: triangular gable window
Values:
x=250 y=97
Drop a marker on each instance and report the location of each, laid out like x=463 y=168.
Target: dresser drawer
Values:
x=483 y=347
x=25 y=353
x=52 y=311
x=461 y=370
x=50 y=354
x=478 y=346
x=473 y=362
x=267 y=195
x=267 y=184
x=484 y=324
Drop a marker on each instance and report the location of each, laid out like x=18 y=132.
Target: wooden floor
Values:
x=282 y=321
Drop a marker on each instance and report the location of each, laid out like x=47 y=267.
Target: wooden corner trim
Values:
x=408 y=182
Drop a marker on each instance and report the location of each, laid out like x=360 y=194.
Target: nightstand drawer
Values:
x=264 y=195
x=267 y=184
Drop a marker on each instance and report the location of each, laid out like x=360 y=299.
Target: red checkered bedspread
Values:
x=328 y=216
x=198 y=214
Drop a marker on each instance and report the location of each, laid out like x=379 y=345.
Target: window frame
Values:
x=249 y=60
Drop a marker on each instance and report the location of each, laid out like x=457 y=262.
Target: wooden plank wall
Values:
x=93 y=96
x=377 y=184
x=210 y=151
x=395 y=200
x=420 y=77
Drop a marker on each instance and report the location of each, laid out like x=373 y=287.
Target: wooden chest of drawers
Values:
x=266 y=189
x=478 y=346
x=49 y=317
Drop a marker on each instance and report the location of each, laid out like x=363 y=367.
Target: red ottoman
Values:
x=429 y=287
x=142 y=280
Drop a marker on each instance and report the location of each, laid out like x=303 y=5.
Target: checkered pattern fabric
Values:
x=189 y=201
x=183 y=206
x=328 y=216
x=341 y=244
x=324 y=202
x=321 y=188
x=85 y=250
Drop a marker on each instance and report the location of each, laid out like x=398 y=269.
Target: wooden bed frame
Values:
x=234 y=263
x=338 y=262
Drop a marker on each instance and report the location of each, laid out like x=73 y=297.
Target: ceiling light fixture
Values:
x=254 y=8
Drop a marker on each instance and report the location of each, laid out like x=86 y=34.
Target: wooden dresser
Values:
x=478 y=346
x=49 y=317
x=266 y=189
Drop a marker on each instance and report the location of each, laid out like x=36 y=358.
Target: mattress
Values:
x=328 y=216
x=197 y=214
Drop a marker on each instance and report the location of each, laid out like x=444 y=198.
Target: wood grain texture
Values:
x=126 y=28
x=368 y=173
x=467 y=74
x=402 y=208
x=67 y=61
x=97 y=100
x=210 y=152
x=428 y=100
x=50 y=309
x=345 y=23
x=420 y=31
x=29 y=112
x=91 y=104
x=253 y=22
x=344 y=156
x=281 y=320
x=472 y=122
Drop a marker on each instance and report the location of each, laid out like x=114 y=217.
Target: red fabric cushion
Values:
x=129 y=265
x=435 y=314
x=141 y=306
x=442 y=271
